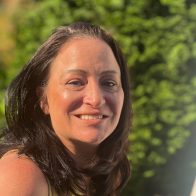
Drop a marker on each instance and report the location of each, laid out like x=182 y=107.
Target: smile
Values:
x=90 y=117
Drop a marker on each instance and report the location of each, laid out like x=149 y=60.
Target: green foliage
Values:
x=2 y=92
x=158 y=39
x=1 y=108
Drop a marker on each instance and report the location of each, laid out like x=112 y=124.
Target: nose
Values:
x=94 y=95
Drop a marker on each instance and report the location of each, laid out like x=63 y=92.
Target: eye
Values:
x=110 y=85
x=75 y=83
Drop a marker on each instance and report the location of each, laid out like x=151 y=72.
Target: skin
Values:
x=20 y=176
x=84 y=80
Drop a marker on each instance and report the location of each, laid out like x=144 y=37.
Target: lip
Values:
x=92 y=116
x=91 y=121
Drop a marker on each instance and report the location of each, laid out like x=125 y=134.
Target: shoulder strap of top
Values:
x=51 y=190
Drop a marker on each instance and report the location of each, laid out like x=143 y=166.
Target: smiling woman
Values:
x=68 y=117
x=84 y=96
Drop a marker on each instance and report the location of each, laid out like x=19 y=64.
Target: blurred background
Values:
x=158 y=38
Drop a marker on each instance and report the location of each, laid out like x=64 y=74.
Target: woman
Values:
x=68 y=115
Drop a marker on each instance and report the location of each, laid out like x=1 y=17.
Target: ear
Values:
x=43 y=103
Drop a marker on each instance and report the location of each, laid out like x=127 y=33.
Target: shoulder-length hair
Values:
x=30 y=130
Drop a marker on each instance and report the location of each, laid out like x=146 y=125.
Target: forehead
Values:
x=87 y=53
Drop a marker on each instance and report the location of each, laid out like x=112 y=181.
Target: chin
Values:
x=93 y=137
x=91 y=141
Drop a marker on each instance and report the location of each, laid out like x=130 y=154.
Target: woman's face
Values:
x=84 y=96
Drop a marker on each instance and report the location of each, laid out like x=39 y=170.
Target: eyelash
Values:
x=110 y=85
x=76 y=83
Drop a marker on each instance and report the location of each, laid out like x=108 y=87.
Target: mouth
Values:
x=91 y=116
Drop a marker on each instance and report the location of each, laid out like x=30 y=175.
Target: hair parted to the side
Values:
x=30 y=130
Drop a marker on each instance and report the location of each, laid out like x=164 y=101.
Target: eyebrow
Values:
x=109 y=72
x=79 y=71
x=83 y=72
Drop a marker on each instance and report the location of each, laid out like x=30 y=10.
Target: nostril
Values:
x=94 y=95
x=94 y=99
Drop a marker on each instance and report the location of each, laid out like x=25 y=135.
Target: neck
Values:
x=82 y=153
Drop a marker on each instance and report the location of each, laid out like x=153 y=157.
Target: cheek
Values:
x=119 y=104
x=115 y=102
x=62 y=101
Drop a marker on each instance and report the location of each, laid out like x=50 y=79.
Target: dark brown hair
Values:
x=29 y=130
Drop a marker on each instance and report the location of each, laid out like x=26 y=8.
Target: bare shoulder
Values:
x=21 y=176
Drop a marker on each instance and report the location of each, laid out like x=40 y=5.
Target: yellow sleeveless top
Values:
x=51 y=191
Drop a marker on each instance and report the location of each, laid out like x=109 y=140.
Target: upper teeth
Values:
x=87 y=117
